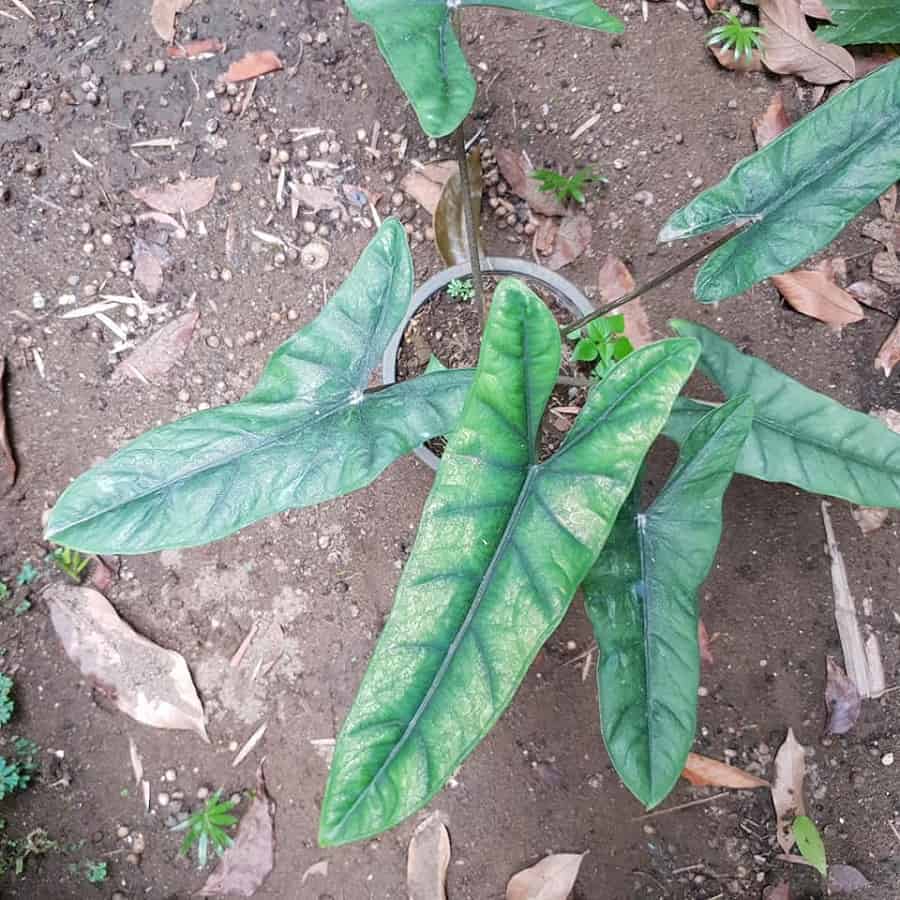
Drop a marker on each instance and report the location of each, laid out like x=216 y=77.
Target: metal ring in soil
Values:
x=566 y=292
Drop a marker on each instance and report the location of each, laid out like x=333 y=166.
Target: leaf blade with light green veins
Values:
x=417 y=41
x=502 y=546
x=800 y=190
x=862 y=22
x=308 y=431
x=798 y=436
x=641 y=596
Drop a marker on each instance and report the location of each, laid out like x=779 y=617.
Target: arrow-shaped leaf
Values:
x=641 y=596
x=798 y=436
x=799 y=191
x=416 y=39
x=308 y=432
x=503 y=543
x=862 y=22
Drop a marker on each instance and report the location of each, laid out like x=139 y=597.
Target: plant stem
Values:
x=459 y=140
x=654 y=282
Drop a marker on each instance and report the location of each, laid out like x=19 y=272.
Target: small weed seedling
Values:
x=15 y=851
x=94 y=871
x=4 y=590
x=461 y=289
x=70 y=561
x=809 y=843
x=7 y=704
x=17 y=771
x=603 y=343
x=27 y=574
x=206 y=827
x=566 y=189
x=741 y=39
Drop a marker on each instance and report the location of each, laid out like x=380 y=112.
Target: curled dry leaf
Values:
x=160 y=351
x=814 y=294
x=772 y=122
x=516 y=171
x=252 y=65
x=887 y=203
x=701 y=770
x=142 y=679
x=545 y=233
x=449 y=215
x=883 y=231
x=615 y=280
x=787 y=789
x=868 y=293
x=162 y=16
x=7 y=460
x=790 y=47
x=148 y=259
x=846 y=879
x=316 y=198
x=889 y=354
x=425 y=184
x=187 y=196
x=246 y=864
x=705 y=644
x=320 y=869
x=886 y=267
x=553 y=878
x=842 y=699
x=427 y=860
x=572 y=239
x=199 y=49
x=743 y=63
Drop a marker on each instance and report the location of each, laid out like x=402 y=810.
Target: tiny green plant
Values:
x=27 y=574
x=4 y=590
x=15 y=851
x=566 y=189
x=603 y=343
x=734 y=35
x=16 y=773
x=205 y=828
x=70 y=561
x=22 y=607
x=7 y=704
x=461 y=289
x=95 y=872
x=810 y=845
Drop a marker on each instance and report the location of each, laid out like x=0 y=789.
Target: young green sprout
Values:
x=70 y=561
x=566 y=189
x=206 y=826
x=461 y=289
x=741 y=39
x=603 y=343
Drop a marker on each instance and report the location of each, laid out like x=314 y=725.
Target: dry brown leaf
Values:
x=252 y=65
x=790 y=47
x=787 y=789
x=572 y=239
x=148 y=267
x=701 y=770
x=886 y=267
x=553 y=878
x=316 y=198
x=868 y=293
x=425 y=185
x=870 y=518
x=162 y=16
x=7 y=460
x=841 y=699
x=814 y=294
x=319 y=868
x=199 y=49
x=142 y=679
x=705 y=644
x=101 y=577
x=772 y=122
x=815 y=9
x=544 y=237
x=246 y=864
x=889 y=354
x=516 y=173
x=834 y=268
x=743 y=63
x=187 y=196
x=615 y=280
x=887 y=203
x=846 y=879
x=160 y=351
x=883 y=231
x=427 y=860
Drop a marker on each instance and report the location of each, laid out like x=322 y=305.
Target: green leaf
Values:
x=503 y=543
x=308 y=431
x=450 y=214
x=809 y=843
x=641 y=596
x=416 y=39
x=862 y=22
x=798 y=436
x=800 y=190
x=585 y=351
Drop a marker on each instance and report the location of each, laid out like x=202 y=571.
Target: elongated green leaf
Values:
x=416 y=39
x=809 y=843
x=798 y=435
x=308 y=431
x=503 y=543
x=862 y=22
x=641 y=596
x=800 y=190
x=450 y=214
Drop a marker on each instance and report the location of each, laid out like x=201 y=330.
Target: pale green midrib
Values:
x=782 y=198
x=287 y=435
x=524 y=493
x=648 y=655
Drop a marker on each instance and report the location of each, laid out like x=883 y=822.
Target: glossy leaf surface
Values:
x=450 y=214
x=503 y=543
x=862 y=22
x=641 y=596
x=798 y=436
x=305 y=434
x=800 y=190
x=417 y=41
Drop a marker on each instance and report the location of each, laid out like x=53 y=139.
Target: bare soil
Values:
x=541 y=781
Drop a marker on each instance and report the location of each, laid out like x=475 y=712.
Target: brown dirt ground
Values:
x=541 y=781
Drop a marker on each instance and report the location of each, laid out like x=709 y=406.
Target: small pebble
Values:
x=162 y=798
x=226 y=274
x=122 y=832
x=235 y=187
x=887 y=759
x=361 y=135
x=202 y=793
x=170 y=775
x=617 y=107
x=159 y=66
